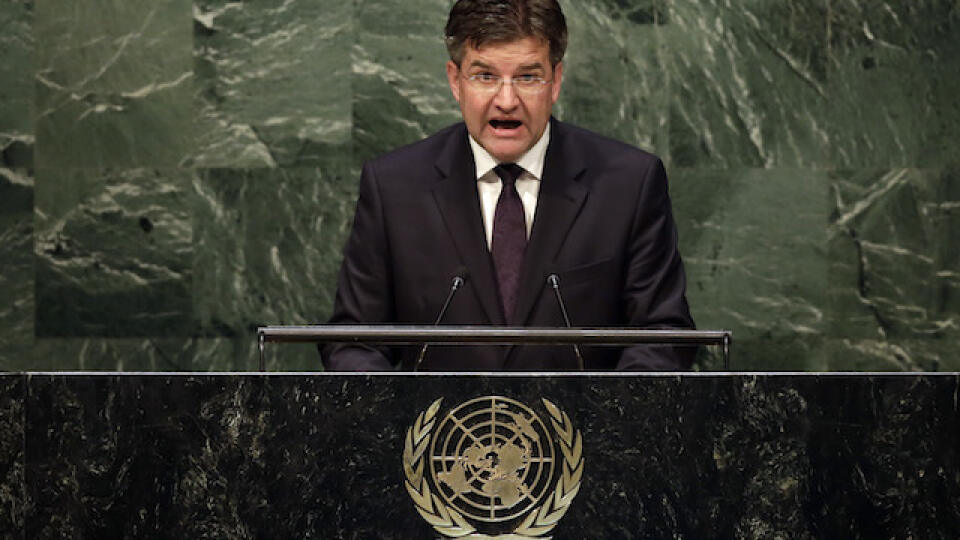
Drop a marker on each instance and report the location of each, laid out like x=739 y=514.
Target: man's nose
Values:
x=506 y=98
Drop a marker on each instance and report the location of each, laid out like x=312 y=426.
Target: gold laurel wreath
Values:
x=449 y=522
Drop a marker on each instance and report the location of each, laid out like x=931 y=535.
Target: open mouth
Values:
x=506 y=124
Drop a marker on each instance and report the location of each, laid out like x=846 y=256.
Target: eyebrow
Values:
x=479 y=64
x=524 y=67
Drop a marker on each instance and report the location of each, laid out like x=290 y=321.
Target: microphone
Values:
x=554 y=283
x=455 y=285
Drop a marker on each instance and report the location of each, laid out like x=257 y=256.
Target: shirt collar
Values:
x=532 y=161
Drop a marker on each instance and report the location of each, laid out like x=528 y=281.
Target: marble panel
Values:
x=750 y=103
x=268 y=246
x=613 y=81
x=748 y=83
x=16 y=84
x=753 y=243
x=399 y=83
x=161 y=354
x=13 y=502
x=883 y=436
x=113 y=83
x=272 y=82
x=894 y=281
x=893 y=83
x=888 y=354
x=16 y=268
x=320 y=456
x=179 y=465
x=789 y=353
x=113 y=252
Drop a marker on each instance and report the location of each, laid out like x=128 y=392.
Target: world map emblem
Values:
x=492 y=468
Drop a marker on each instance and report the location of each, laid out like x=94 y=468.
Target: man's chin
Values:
x=506 y=150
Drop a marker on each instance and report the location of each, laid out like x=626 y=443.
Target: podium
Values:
x=295 y=455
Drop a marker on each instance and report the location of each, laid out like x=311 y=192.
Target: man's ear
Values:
x=453 y=76
x=557 y=80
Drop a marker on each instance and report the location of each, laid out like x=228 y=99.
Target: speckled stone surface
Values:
x=319 y=456
x=197 y=161
x=13 y=500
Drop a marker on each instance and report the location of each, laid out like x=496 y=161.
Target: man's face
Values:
x=506 y=123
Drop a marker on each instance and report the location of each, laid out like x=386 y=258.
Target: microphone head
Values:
x=459 y=277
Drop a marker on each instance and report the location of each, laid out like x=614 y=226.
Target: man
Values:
x=504 y=200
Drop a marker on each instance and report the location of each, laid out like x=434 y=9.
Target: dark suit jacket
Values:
x=603 y=224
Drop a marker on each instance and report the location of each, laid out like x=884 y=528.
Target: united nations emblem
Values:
x=492 y=466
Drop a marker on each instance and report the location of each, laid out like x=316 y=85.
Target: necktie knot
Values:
x=508 y=172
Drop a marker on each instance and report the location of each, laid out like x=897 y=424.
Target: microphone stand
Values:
x=454 y=286
x=554 y=283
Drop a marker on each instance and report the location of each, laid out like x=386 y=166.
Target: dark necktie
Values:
x=509 y=237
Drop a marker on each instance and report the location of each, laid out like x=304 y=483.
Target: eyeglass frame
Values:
x=541 y=83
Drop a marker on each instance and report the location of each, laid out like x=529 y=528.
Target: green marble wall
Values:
x=176 y=173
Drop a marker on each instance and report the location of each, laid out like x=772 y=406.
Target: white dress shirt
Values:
x=489 y=184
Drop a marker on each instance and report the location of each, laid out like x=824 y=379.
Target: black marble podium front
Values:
x=239 y=456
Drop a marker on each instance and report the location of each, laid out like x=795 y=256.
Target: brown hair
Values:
x=483 y=22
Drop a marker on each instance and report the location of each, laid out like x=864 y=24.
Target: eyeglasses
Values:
x=526 y=85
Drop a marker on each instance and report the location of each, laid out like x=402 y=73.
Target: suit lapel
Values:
x=456 y=196
x=559 y=202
